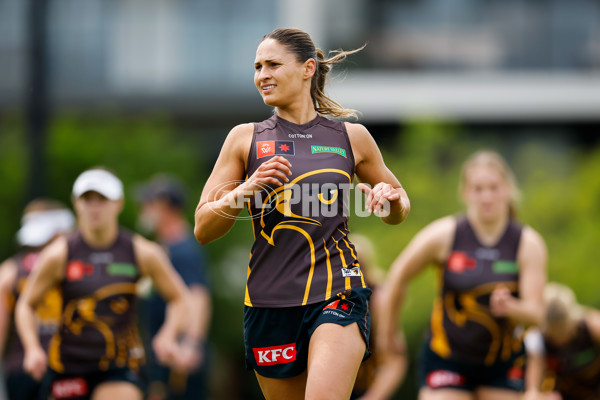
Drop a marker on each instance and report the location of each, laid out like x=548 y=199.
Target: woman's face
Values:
x=96 y=212
x=486 y=193
x=278 y=76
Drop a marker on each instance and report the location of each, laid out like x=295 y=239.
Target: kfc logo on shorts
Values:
x=283 y=354
x=266 y=148
x=443 y=378
x=69 y=388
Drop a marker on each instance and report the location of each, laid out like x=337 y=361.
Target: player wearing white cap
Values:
x=43 y=220
x=97 y=351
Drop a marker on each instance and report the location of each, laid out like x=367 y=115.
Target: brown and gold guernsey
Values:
x=462 y=326
x=301 y=253
x=47 y=313
x=98 y=328
x=575 y=367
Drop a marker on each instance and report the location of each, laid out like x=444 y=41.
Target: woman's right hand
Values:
x=275 y=171
x=35 y=362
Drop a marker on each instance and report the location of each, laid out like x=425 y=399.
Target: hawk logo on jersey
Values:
x=293 y=212
x=350 y=272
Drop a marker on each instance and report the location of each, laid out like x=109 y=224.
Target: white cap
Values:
x=98 y=180
x=38 y=227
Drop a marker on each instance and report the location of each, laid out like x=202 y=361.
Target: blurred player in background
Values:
x=162 y=201
x=564 y=353
x=491 y=272
x=43 y=220
x=380 y=376
x=97 y=351
x=306 y=320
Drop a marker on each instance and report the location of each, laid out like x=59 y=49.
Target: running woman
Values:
x=491 y=272
x=43 y=221
x=97 y=351
x=306 y=322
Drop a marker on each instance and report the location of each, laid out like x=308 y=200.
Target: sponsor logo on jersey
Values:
x=69 y=388
x=122 y=269
x=443 y=378
x=283 y=354
x=505 y=267
x=459 y=261
x=342 y=305
x=328 y=149
x=349 y=272
x=274 y=147
x=264 y=149
x=584 y=357
x=284 y=147
x=487 y=254
x=77 y=269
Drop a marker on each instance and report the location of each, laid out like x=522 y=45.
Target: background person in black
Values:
x=293 y=254
x=97 y=351
x=380 y=376
x=564 y=352
x=162 y=202
x=43 y=220
x=491 y=273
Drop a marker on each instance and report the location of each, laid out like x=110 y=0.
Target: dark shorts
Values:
x=81 y=386
x=277 y=339
x=436 y=372
x=22 y=387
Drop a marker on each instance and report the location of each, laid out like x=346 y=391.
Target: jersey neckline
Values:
x=301 y=127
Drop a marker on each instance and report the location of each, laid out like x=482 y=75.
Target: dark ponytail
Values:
x=300 y=43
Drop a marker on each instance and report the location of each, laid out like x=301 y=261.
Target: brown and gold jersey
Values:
x=575 y=367
x=301 y=253
x=98 y=328
x=462 y=326
x=47 y=313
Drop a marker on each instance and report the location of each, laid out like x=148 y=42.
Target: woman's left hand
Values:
x=165 y=347
x=501 y=301
x=379 y=197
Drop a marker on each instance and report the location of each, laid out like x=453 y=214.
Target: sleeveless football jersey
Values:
x=47 y=313
x=576 y=365
x=462 y=326
x=98 y=329
x=301 y=253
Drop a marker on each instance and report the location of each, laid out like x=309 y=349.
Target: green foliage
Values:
x=135 y=148
x=13 y=171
